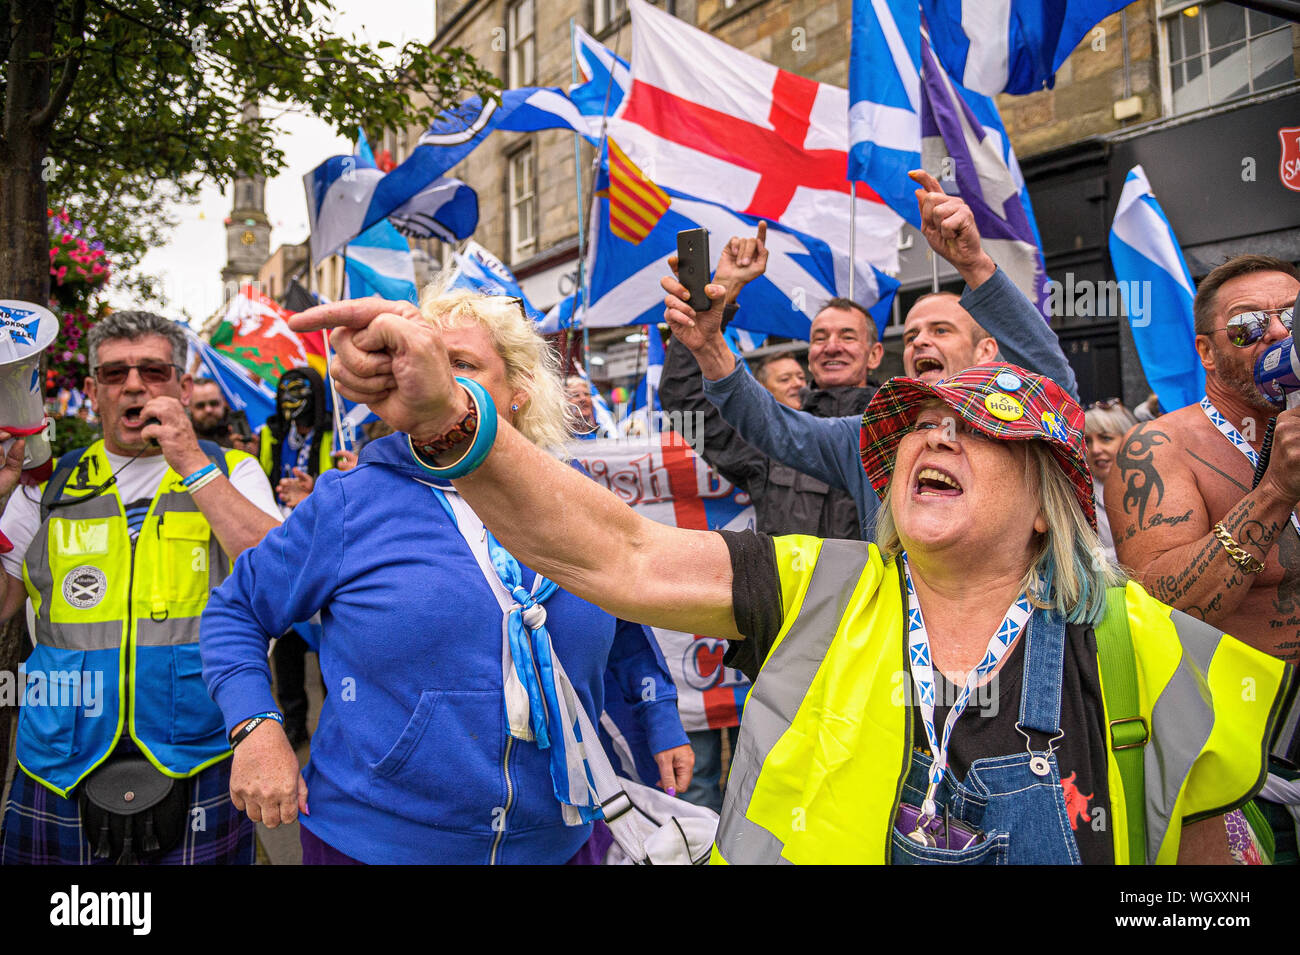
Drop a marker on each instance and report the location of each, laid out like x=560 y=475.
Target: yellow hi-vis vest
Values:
x=117 y=631
x=268 y=453
x=826 y=736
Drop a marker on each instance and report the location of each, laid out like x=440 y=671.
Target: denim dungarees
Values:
x=1023 y=816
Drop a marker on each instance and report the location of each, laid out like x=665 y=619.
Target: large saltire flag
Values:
x=255 y=333
x=1158 y=293
x=803 y=272
x=1010 y=46
x=908 y=113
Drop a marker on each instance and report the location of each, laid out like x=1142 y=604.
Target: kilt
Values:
x=42 y=828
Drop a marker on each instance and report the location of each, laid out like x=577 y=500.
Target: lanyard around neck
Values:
x=1241 y=444
x=922 y=667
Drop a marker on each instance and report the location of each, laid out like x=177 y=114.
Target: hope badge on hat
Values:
x=1004 y=407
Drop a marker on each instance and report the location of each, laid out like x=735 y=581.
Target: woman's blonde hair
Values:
x=532 y=365
x=1070 y=570
x=1117 y=420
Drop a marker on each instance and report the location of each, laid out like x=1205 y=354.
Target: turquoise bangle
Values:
x=484 y=437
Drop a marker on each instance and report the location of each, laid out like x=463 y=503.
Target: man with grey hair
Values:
x=118 y=552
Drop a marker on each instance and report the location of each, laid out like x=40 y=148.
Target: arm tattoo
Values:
x=1138 y=471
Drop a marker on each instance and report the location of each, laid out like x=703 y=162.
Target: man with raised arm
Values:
x=942 y=335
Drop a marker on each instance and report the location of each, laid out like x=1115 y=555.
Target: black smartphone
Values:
x=238 y=421
x=693 y=266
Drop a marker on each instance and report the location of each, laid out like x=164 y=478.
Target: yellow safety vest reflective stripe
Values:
x=825 y=739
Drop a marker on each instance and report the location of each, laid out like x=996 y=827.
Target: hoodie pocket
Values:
x=445 y=767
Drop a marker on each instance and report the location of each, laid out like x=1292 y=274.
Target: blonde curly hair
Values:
x=532 y=366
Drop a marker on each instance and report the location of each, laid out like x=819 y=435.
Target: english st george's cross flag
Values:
x=706 y=120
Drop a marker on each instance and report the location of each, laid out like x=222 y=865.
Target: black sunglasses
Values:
x=151 y=372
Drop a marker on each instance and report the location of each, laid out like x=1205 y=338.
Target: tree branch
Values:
x=59 y=97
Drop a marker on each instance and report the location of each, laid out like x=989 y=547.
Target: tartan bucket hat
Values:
x=1001 y=400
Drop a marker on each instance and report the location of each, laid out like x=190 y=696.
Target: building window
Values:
x=522 y=33
x=605 y=13
x=1219 y=51
x=523 y=204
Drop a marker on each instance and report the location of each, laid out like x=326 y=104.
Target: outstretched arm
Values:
x=546 y=514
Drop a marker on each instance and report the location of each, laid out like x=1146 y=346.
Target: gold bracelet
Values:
x=1238 y=554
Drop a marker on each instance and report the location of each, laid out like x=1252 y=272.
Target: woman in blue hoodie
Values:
x=427 y=746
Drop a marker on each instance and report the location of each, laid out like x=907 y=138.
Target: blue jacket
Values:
x=411 y=761
x=828 y=448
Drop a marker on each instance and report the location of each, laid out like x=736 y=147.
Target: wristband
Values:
x=240 y=734
x=198 y=475
x=203 y=481
x=484 y=436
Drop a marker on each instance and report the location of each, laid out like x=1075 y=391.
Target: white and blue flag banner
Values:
x=803 y=272
x=1010 y=46
x=907 y=113
x=378 y=262
x=479 y=270
x=1158 y=292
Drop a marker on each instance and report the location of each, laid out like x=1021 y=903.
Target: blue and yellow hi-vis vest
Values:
x=825 y=741
x=117 y=629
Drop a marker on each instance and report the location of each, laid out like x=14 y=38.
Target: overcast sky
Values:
x=191 y=262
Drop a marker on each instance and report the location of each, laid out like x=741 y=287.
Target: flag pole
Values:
x=853 y=233
x=577 y=183
x=339 y=436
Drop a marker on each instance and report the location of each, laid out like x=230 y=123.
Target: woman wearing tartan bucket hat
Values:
x=984 y=596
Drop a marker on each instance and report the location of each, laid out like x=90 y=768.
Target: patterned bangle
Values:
x=1239 y=556
x=485 y=436
x=198 y=475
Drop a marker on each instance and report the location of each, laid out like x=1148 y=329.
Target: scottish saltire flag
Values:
x=607 y=78
x=1010 y=46
x=885 y=100
x=344 y=200
x=907 y=113
x=803 y=272
x=479 y=270
x=445 y=209
x=242 y=391
x=378 y=262
x=654 y=371
x=1158 y=293
x=984 y=173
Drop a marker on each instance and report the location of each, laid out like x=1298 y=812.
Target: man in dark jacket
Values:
x=843 y=351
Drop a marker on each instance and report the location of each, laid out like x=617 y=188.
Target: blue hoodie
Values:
x=411 y=761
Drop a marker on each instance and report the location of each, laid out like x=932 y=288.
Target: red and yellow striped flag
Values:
x=635 y=203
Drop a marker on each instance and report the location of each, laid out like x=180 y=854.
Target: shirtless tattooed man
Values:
x=1179 y=476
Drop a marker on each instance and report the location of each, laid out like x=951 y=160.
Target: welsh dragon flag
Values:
x=255 y=332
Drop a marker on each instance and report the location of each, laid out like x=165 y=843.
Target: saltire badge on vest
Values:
x=84 y=586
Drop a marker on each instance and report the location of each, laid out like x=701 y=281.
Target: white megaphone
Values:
x=26 y=330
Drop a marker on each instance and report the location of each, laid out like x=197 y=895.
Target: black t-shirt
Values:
x=988 y=727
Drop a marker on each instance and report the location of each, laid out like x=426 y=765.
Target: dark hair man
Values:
x=1182 y=508
x=118 y=552
x=209 y=412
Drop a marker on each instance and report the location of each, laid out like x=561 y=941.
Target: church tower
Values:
x=248 y=231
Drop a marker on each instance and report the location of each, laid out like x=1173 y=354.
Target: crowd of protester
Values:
x=468 y=590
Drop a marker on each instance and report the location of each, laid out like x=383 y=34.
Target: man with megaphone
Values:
x=124 y=755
